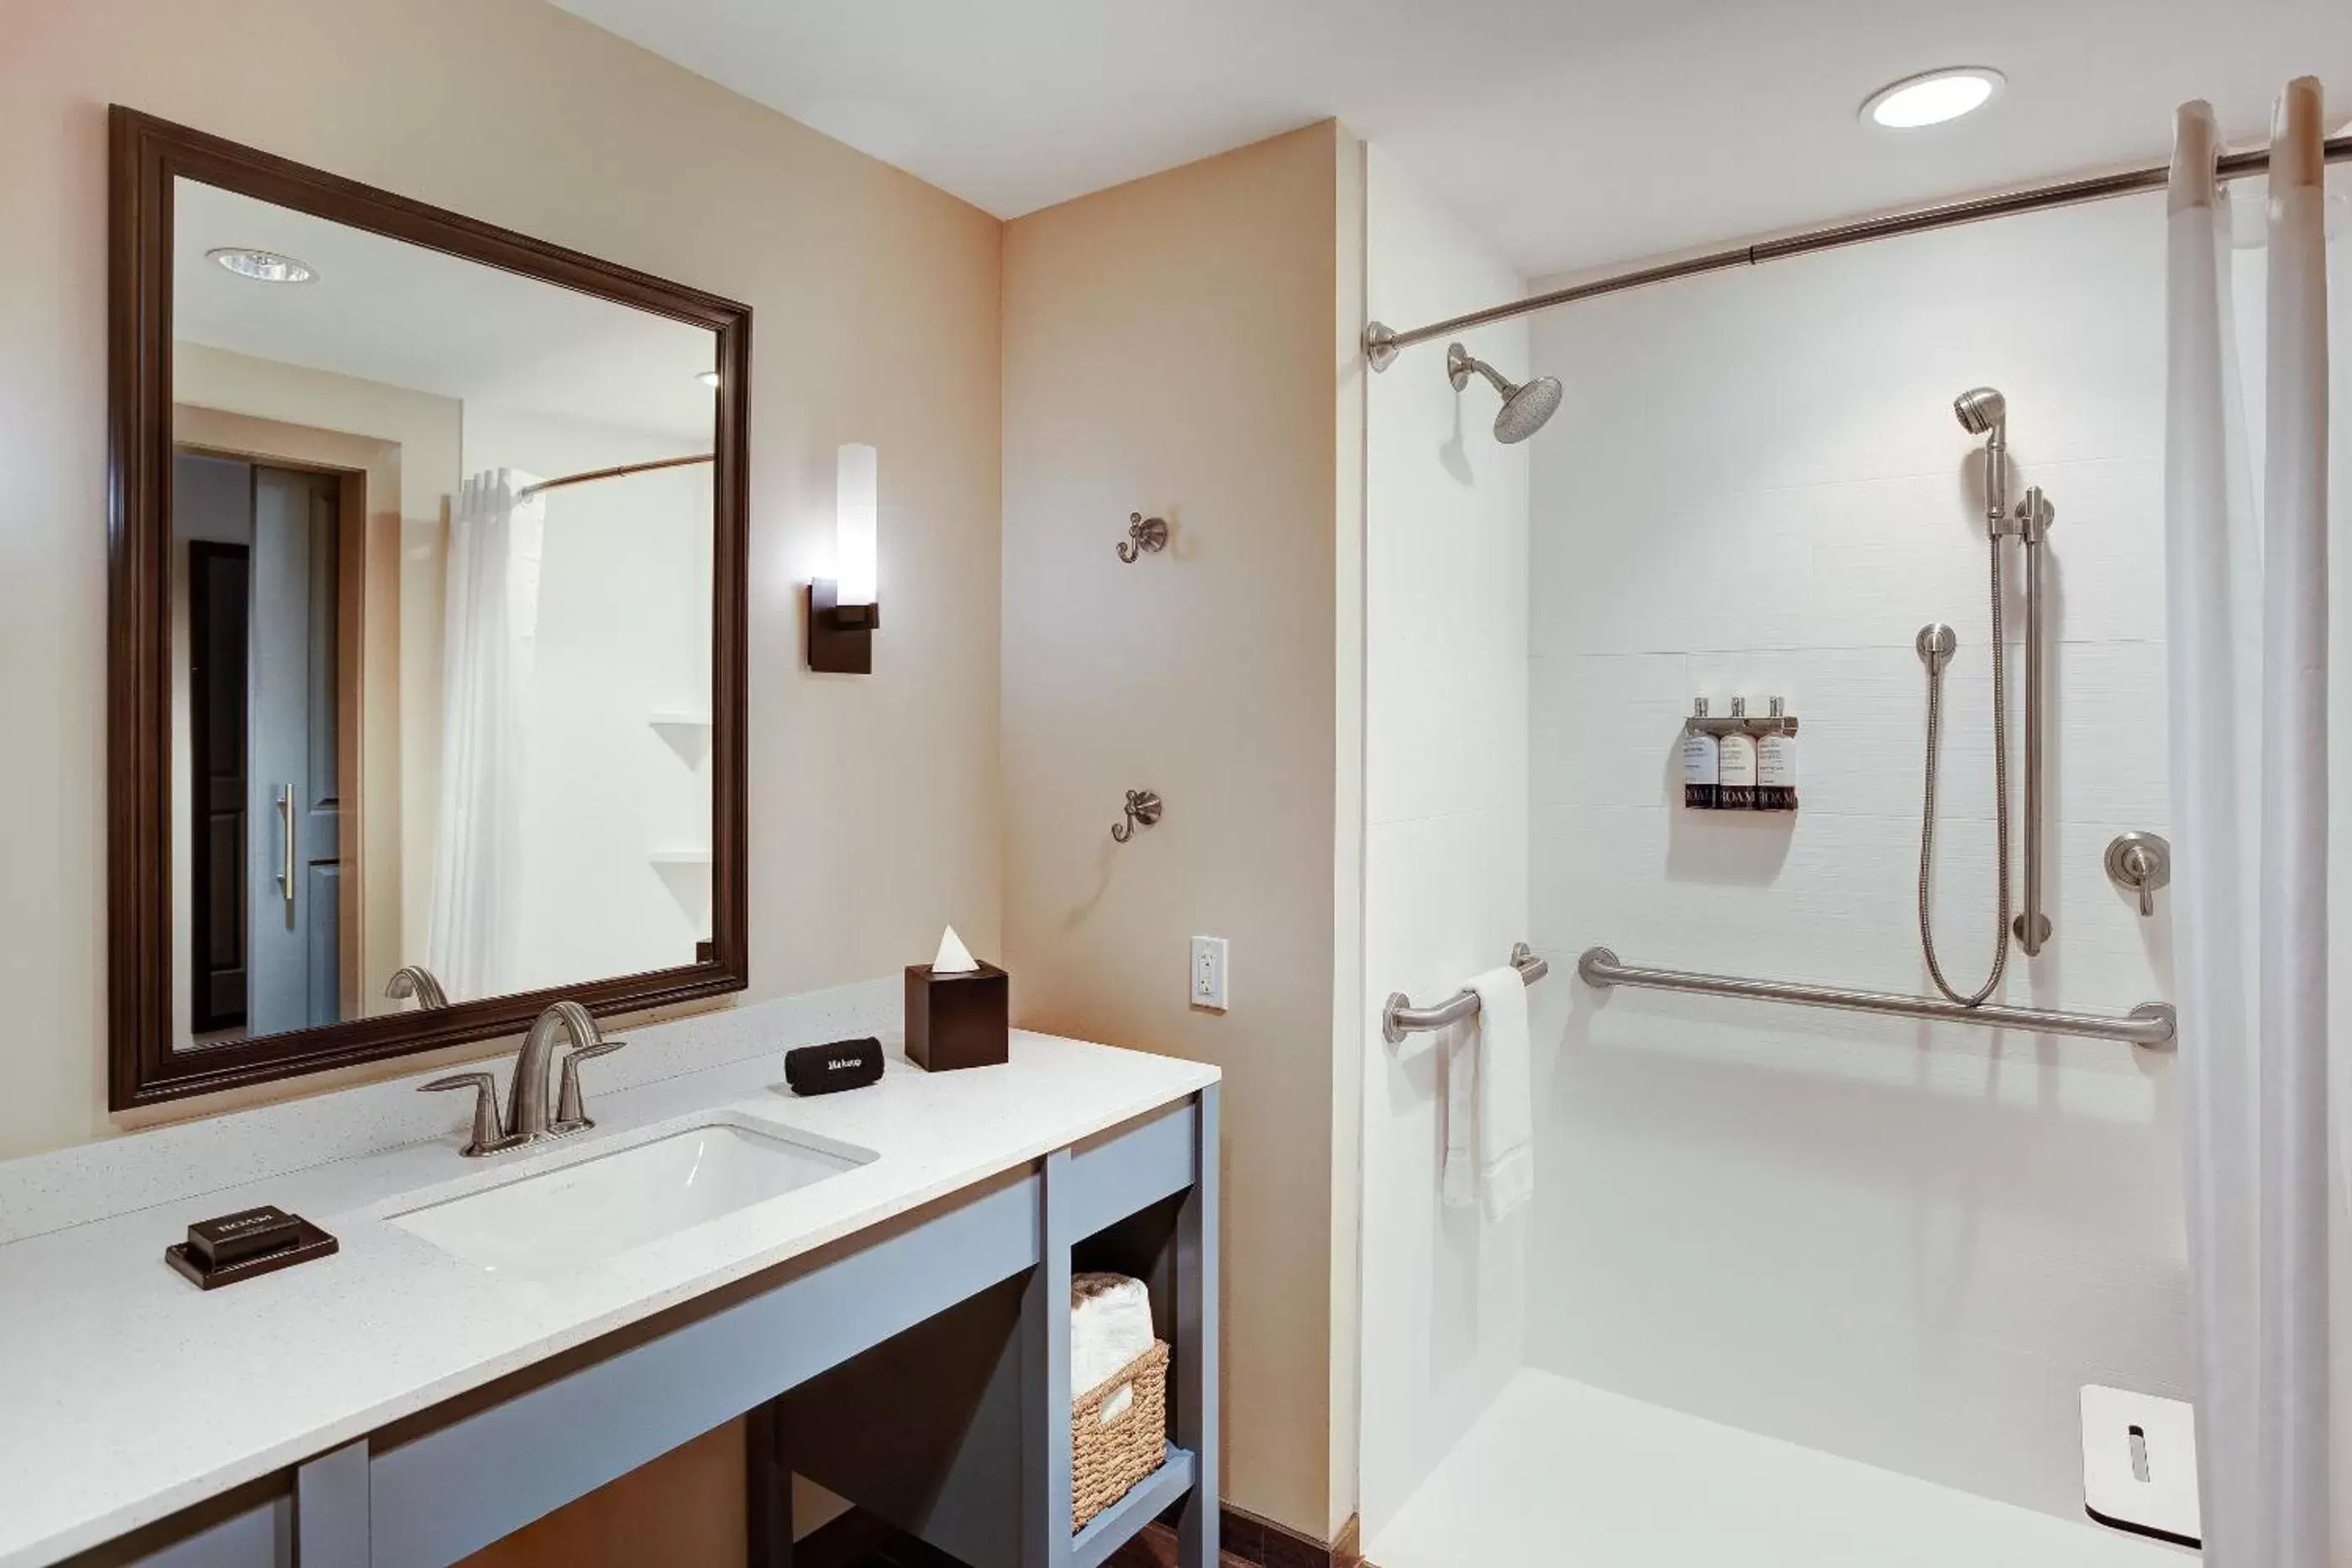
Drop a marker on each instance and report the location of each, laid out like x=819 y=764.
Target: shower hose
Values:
x=2001 y=805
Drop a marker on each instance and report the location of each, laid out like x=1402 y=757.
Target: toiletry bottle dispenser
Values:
x=1699 y=761
x=1776 y=762
x=1734 y=771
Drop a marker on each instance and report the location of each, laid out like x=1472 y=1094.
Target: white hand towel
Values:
x=1488 y=1085
x=1458 y=1187
x=1111 y=1325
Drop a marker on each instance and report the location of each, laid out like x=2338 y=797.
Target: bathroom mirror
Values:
x=426 y=678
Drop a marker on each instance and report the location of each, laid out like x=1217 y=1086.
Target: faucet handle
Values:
x=489 y=1136
x=570 y=1109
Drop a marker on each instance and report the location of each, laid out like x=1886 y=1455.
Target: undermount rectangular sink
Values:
x=558 y=1220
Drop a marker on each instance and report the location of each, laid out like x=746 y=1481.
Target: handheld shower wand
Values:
x=1983 y=411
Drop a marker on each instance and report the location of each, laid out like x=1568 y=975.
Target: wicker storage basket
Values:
x=1106 y=1457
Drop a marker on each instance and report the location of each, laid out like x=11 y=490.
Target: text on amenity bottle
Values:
x=1776 y=762
x=1699 y=761
x=1735 y=769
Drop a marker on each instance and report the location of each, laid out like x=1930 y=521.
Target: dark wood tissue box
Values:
x=957 y=1020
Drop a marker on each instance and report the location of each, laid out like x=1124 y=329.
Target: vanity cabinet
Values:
x=919 y=1366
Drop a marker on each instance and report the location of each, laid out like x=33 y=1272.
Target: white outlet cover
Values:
x=1209 y=973
x=2139 y=1463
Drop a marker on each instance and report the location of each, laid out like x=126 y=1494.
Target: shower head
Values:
x=1526 y=406
x=1980 y=410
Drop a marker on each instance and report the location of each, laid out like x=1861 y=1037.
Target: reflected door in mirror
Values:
x=262 y=583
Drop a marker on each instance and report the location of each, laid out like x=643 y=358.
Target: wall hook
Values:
x=1142 y=810
x=1144 y=534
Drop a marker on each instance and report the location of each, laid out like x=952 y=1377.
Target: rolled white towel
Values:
x=1111 y=1325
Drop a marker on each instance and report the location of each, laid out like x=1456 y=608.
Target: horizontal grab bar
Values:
x=1400 y=1017
x=2150 y=1023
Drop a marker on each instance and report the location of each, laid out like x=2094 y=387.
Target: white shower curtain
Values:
x=2248 y=647
x=490 y=620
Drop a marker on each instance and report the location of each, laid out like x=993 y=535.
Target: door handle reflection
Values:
x=286 y=831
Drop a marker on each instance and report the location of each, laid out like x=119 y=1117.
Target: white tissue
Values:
x=954 y=958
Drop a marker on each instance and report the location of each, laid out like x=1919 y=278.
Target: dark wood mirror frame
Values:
x=147 y=155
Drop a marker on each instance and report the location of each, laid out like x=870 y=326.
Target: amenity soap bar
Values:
x=240 y=1246
x=232 y=1236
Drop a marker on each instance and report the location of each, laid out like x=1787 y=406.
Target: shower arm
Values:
x=1494 y=377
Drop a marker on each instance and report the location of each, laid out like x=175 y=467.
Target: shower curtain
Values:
x=489 y=619
x=2265 y=1095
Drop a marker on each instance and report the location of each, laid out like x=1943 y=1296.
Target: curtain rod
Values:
x=1381 y=342
x=528 y=491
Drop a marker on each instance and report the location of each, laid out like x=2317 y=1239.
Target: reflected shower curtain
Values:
x=2247 y=592
x=489 y=619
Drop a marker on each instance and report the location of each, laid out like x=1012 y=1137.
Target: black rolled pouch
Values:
x=827 y=1069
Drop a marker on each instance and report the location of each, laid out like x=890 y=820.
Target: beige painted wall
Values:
x=875 y=800
x=1350 y=478
x=1168 y=349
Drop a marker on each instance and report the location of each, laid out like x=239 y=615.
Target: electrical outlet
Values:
x=1209 y=972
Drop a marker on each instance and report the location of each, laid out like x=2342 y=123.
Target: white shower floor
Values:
x=1558 y=1472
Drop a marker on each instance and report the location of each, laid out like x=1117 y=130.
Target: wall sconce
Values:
x=844 y=612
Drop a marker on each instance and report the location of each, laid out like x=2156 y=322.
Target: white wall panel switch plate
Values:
x=2139 y=1463
x=1209 y=972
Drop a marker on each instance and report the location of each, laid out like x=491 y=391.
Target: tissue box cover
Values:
x=957 y=1020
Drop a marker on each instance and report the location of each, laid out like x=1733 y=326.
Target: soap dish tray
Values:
x=309 y=1242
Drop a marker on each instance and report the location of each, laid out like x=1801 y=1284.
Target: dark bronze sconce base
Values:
x=840 y=642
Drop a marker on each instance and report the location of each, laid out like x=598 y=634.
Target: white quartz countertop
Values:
x=126 y=1394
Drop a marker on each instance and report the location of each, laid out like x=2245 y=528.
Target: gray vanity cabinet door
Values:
x=261 y=1537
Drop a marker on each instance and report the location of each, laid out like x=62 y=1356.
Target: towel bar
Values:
x=2150 y=1023
x=1400 y=1017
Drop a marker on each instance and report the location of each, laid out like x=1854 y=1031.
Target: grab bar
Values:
x=2150 y=1023
x=1400 y=1017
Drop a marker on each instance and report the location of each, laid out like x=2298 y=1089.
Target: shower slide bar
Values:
x=2149 y=1024
x=1400 y=1017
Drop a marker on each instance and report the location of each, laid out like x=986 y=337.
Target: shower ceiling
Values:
x=1571 y=134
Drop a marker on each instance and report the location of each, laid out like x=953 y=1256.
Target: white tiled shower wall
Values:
x=1904 y=1244
x=1445 y=838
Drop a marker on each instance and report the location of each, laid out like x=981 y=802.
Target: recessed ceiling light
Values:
x=707 y=378
x=1932 y=97
x=262 y=265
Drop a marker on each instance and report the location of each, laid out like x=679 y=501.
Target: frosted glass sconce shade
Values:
x=844 y=612
x=856 y=524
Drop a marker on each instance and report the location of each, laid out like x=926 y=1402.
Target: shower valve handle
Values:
x=2140 y=863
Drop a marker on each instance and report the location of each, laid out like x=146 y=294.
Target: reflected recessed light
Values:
x=262 y=265
x=708 y=379
x=1932 y=97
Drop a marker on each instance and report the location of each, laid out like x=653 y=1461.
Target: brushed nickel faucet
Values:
x=527 y=1120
